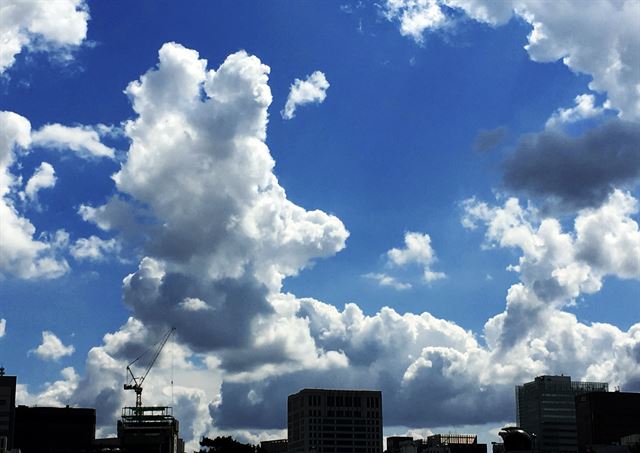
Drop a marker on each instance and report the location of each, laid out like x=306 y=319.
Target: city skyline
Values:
x=433 y=198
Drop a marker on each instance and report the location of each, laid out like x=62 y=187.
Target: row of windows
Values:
x=343 y=401
x=330 y=428
x=342 y=421
x=344 y=436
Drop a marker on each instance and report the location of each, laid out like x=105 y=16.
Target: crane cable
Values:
x=173 y=345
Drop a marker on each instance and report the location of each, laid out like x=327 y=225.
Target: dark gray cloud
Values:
x=225 y=322
x=575 y=172
x=488 y=139
x=263 y=404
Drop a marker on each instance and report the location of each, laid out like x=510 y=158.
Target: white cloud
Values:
x=3 y=327
x=585 y=108
x=415 y=16
x=312 y=90
x=52 y=348
x=387 y=280
x=93 y=248
x=43 y=178
x=556 y=267
x=56 y=26
x=221 y=228
x=562 y=32
x=84 y=140
x=20 y=254
x=417 y=250
x=194 y=304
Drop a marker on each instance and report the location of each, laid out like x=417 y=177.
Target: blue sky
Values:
x=413 y=210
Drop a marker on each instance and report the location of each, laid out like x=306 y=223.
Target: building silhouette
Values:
x=605 y=418
x=54 y=429
x=336 y=421
x=7 y=410
x=395 y=444
x=546 y=408
x=437 y=443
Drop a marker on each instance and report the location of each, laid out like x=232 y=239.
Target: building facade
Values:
x=605 y=418
x=336 y=421
x=546 y=408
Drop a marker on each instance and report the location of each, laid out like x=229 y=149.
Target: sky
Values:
x=434 y=198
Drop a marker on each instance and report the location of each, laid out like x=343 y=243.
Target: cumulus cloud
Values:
x=563 y=32
x=489 y=139
x=52 y=348
x=3 y=327
x=417 y=250
x=55 y=26
x=388 y=280
x=20 y=254
x=415 y=16
x=585 y=108
x=93 y=248
x=575 y=172
x=43 y=178
x=312 y=90
x=83 y=140
x=556 y=267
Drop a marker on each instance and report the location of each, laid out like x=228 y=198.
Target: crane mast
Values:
x=135 y=383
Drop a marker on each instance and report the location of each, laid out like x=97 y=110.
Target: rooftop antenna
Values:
x=135 y=383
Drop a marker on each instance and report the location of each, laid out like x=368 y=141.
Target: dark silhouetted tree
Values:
x=226 y=444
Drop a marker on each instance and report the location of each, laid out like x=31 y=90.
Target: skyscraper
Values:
x=336 y=421
x=546 y=407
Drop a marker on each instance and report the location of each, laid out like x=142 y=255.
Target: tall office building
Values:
x=336 y=421
x=546 y=407
x=7 y=409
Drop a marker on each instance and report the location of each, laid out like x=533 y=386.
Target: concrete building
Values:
x=7 y=409
x=149 y=429
x=546 y=408
x=54 y=429
x=605 y=418
x=336 y=421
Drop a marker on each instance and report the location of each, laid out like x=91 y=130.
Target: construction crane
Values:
x=136 y=382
